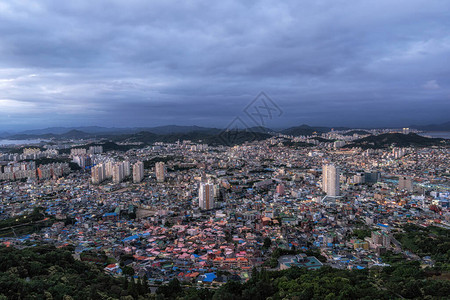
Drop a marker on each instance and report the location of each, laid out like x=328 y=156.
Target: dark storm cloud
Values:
x=142 y=63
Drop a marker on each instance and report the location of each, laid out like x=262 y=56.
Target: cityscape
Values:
x=205 y=215
x=260 y=150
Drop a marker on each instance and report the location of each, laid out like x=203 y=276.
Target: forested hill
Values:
x=44 y=272
x=397 y=140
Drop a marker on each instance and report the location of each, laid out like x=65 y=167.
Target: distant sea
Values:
x=436 y=134
x=18 y=142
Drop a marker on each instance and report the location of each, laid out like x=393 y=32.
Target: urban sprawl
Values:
x=208 y=214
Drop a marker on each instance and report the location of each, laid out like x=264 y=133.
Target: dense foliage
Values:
x=25 y=224
x=427 y=241
x=404 y=280
x=306 y=130
x=45 y=272
x=362 y=233
x=399 y=140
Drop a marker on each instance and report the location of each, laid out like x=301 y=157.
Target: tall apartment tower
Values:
x=138 y=172
x=118 y=173
x=206 y=196
x=405 y=183
x=330 y=180
x=280 y=189
x=109 y=169
x=126 y=168
x=98 y=174
x=160 y=171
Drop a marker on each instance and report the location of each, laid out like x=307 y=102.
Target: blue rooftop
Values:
x=133 y=237
x=209 y=277
x=110 y=214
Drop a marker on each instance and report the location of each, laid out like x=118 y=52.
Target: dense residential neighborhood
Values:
x=205 y=215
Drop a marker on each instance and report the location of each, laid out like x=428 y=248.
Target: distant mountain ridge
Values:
x=115 y=130
x=309 y=130
x=170 y=134
x=93 y=131
x=72 y=134
x=208 y=137
x=170 y=129
x=396 y=139
x=261 y=129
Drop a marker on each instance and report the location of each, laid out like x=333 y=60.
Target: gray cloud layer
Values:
x=144 y=63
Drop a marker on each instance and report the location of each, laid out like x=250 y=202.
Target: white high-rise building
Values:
x=95 y=150
x=118 y=173
x=82 y=160
x=398 y=152
x=109 y=169
x=126 y=168
x=138 y=172
x=98 y=174
x=330 y=180
x=77 y=151
x=206 y=196
x=160 y=171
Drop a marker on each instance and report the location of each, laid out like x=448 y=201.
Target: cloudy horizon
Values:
x=151 y=63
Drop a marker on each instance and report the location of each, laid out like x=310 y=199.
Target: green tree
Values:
x=133 y=289
x=267 y=243
x=127 y=270
x=171 y=290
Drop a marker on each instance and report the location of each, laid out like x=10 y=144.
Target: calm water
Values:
x=437 y=134
x=19 y=142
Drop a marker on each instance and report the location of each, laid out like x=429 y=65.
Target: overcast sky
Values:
x=146 y=63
